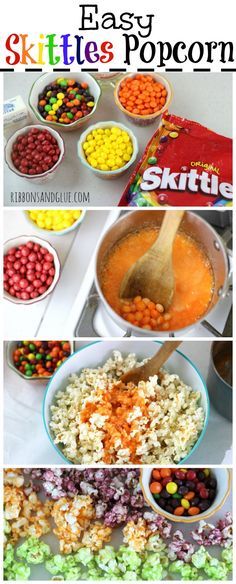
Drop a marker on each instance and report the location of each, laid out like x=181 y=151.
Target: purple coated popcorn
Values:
x=116 y=493
x=156 y=522
x=220 y=534
x=179 y=548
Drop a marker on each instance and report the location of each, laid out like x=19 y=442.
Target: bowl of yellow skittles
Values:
x=65 y=101
x=55 y=221
x=108 y=149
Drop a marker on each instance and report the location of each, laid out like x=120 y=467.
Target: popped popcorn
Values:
x=96 y=535
x=72 y=517
x=97 y=419
x=25 y=515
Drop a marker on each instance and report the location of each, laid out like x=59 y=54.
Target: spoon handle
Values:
x=162 y=356
x=168 y=230
x=152 y=366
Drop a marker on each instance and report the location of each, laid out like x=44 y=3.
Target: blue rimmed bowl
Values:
x=95 y=354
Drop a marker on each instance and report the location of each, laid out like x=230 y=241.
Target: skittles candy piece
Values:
x=66 y=101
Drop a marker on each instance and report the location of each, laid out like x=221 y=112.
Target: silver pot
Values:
x=191 y=224
x=220 y=390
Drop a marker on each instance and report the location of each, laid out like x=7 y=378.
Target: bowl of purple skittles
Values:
x=64 y=102
x=186 y=495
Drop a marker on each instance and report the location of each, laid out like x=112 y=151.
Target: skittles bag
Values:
x=184 y=164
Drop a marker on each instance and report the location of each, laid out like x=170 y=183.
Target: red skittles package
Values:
x=184 y=164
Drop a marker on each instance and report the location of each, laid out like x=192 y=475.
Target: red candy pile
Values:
x=29 y=270
x=35 y=152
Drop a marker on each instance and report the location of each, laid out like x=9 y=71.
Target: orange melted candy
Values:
x=194 y=279
x=116 y=403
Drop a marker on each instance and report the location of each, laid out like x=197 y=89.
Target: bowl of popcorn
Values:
x=188 y=494
x=108 y=149
x=55 y=221
x=81 y=402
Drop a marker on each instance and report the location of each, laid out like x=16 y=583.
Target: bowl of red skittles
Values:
x=35 y=153
x=37 y=360
x=186 y=494
x=64 y=102
x=143 y=98
x=31 y=269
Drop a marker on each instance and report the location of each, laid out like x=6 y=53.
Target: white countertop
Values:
x=26 y=441
x=203 y=97
x=22 y=321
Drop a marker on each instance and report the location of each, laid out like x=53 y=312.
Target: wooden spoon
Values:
x=152 y=275
x=143 y=372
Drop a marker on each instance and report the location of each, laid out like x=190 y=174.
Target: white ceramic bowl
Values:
x=21 y=240
x=35 y=178
x=144 y=120
x=223 y=477
x=107 y=174
x=50 y=231
x=11 y=347
x=97 y=353
x=47 y=78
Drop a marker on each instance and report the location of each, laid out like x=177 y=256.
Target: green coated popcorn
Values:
x=227 y=557
x=200 y=557
x=55 y=564
x=128 y=559
x=216 y=570
x=129 y=575
x=155 y=543
x=189 y=573
x=73 y=574
x=34 y=551
x=14 y=570
x=176 y=567
x=152 y=569
x=84 y=556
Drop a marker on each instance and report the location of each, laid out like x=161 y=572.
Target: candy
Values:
x=142 y=95
x=54 y=220
x=43 y=363
x=108 y=148
x=28 y=286
x=67 y=106
x=182 y=174
x=35 y=152
x=146 y=314
x=171 y=488
x=178 y=495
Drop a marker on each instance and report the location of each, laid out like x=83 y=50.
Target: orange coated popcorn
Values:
x=72 y=517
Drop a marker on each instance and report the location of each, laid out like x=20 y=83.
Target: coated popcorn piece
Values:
x=72 y=517
x=221 y=534
x=13 y=476
x=96 y=535
x=136 y=535
x=13 y=502
x=25 y=515
x=179 y=548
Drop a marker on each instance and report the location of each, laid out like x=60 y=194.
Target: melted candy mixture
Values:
x=194 y=279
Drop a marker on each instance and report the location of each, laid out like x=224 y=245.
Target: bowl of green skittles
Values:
x=64 y=102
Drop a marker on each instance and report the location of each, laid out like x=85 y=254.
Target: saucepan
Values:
x=194 y=226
